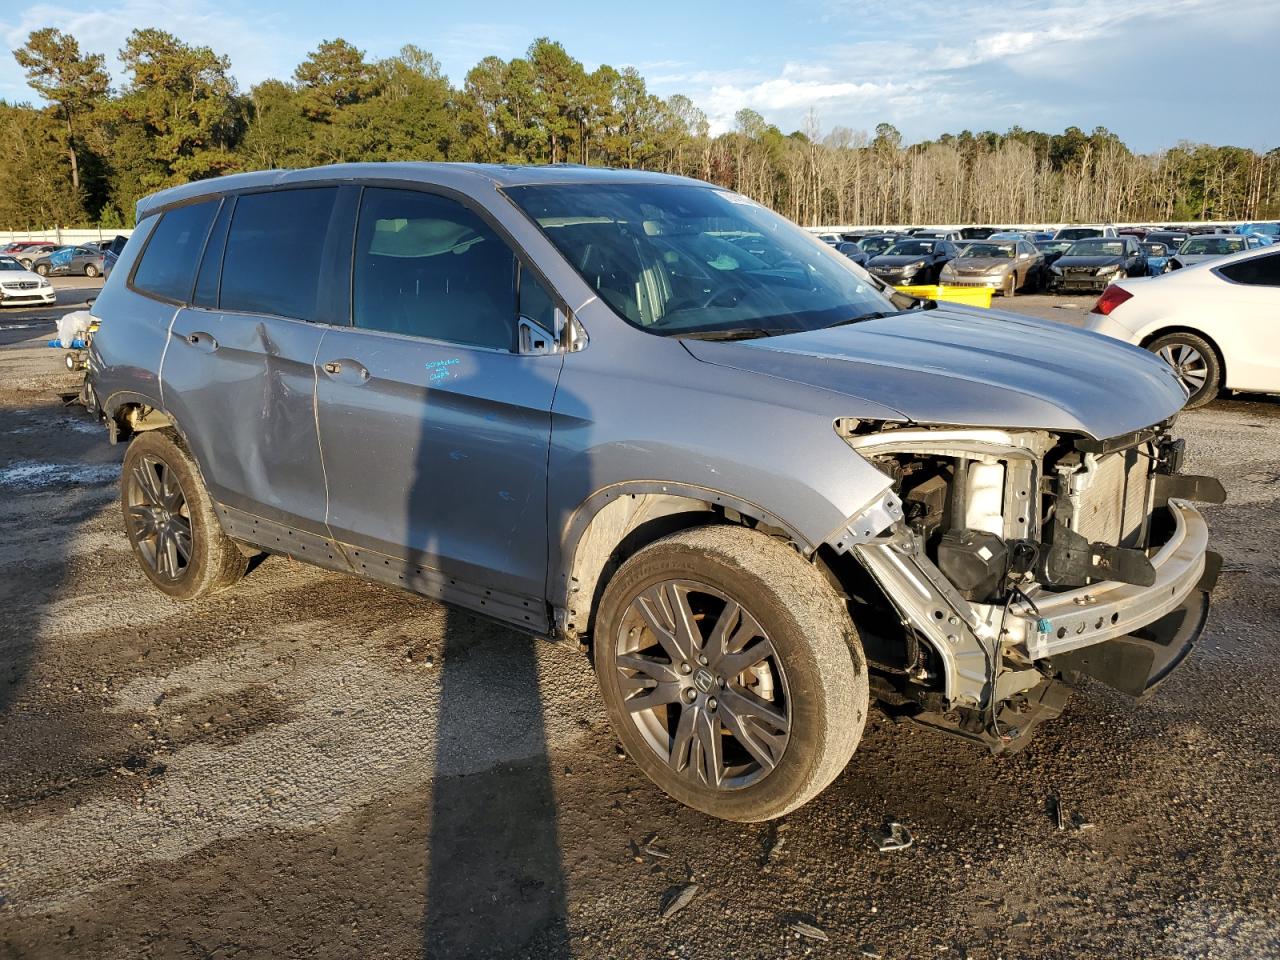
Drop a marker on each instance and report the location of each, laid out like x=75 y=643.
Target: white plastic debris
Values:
x=73 y=327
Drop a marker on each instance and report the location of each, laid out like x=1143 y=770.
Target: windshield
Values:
x=678 y=260
x=1096 y=248
x=877 y=245
x=1053 y=246
x=1213 y=245
x=8 y=263
x=1003 y=251
x=1077 y=233
x=910 y=248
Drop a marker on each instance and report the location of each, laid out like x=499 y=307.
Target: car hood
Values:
x=19 y=276
x=1091 y=262
x=899 y=260
x=980 y=368
x=1193 y=258
x=979 y=264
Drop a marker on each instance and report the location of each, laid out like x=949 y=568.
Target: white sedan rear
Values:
x=1217 y=324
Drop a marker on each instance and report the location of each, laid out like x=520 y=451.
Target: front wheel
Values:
x=42 y=269
x=731 y=672
x=1010 y=284
x=170 y=520
x=1195 y=363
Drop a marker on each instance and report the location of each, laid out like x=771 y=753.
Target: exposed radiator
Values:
x=1114 y=508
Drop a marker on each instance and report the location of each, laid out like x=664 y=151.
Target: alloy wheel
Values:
x=1188 y=364
x=703 y=683
x=159 y=517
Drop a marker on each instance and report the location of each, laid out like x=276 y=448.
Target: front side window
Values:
x=1262 y=271
x=427 y=266
x=678 y=260
x=274 y=250
x=168 y=265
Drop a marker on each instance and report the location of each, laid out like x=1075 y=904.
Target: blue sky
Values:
x=928 y=67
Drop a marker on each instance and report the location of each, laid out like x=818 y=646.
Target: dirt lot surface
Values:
x=308 y=766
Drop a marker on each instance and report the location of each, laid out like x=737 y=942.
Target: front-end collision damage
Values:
x=1015 y=559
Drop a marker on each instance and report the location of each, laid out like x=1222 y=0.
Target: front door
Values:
x=434 y=427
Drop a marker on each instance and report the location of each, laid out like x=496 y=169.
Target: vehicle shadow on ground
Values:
x=495 y=880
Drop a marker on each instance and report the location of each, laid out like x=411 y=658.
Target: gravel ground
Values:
x=308 y=766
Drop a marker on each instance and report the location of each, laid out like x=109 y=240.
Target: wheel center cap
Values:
x=704 y=680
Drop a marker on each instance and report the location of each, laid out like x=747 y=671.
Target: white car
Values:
x=19 y=286
x=1217 y=324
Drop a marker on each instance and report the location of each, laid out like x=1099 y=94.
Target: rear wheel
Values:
x=90 y=270
x=170 y=520
x=731 y=672
x=1195 y=363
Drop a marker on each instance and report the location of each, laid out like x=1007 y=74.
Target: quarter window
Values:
x=1256 y=271
x=427 y=266
x=274 y=249
x=168 y=265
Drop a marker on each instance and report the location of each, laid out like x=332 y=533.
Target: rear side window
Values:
x=168 y=265
x=428 y=266
x=274 y=250
x=1256 y=271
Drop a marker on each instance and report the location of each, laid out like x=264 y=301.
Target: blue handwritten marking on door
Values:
x=439 y=369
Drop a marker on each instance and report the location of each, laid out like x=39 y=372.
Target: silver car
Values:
x=648 y=415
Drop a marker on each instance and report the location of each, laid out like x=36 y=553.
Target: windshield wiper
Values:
x=737 y=333
x=861 y=317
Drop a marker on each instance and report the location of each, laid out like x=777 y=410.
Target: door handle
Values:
x=333 y=367
x=199 y=340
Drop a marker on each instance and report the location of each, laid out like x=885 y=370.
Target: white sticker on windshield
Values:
x=737 y=198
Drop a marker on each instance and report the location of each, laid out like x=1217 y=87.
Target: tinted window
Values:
x=427 y=266
x=206 y=293
x=1256 y=271
x=272 y=260
x=168 y=265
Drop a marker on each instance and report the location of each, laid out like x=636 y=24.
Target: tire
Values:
x=42 y=269
x=1195 y=362
x=779 y=743
x=167 y=512
x=90 y=270
x=1010 y=285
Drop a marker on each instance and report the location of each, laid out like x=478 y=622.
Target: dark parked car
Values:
x=912 y=261
x=1052 y=250
x=853 y=252
x=754 y=489
x=112 y=253
x=878 y=243
x=70 y=261
x=976 y=233
x=1173 y=239
x=1090 y=265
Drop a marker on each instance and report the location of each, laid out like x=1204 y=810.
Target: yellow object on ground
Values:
x=972 y=296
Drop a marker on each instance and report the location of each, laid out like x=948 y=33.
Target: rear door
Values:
x=239 y=372
x=435 y=426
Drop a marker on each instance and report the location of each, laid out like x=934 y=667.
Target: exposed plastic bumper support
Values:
x=1103 y=611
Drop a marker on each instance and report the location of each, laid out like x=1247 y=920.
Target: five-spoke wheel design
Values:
x=703 y=683
x=1188 y=364
x=160 y=520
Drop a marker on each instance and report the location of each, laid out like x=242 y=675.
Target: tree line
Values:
x=91 y=148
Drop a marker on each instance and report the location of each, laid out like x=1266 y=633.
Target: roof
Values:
x=460 y=176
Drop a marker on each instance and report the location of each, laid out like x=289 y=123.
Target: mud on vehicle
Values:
x=645 y=414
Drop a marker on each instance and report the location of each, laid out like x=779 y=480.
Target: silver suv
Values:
x=646 y=414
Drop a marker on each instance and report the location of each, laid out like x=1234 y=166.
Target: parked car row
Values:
x=56 y=260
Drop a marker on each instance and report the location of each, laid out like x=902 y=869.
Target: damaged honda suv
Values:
x=647 y=415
